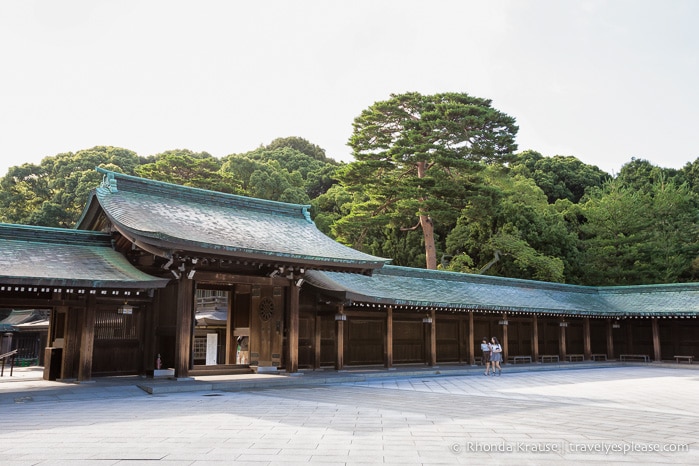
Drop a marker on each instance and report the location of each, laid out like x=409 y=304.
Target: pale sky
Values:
x=603 y=81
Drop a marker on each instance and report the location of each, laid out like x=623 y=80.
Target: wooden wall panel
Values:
x=448 y=344
x=364 y=342
x=408 y=341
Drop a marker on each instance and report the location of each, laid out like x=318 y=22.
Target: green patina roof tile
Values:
x=429 y=288
x=187 y=217
x=42 y=256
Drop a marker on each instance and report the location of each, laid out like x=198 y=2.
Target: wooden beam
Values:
x=71 y=345
x=505 y=335
x=87 y=341
x=432 y=361
x=610 y=340
x=535 y=337
x=562 y=342
x=587 y=341
x=388 y=339
x=471 y=340
x=183 y=335
x=231 y=339
x=293 y=336
x=339 y=340
x=657 y=354
x=318 y=341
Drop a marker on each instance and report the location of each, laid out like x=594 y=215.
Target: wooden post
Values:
x=657 y=355
x=71 y=345
x=610 y=340
x=433 y=338
x=293 y=363
x=471 y=341
x=535 y=338
x=231 y=339
x=504 y=345
x=562 y=341
x=87 y=341
x=318 y=341
x=183 y=335
x=587 y=344
x=629 y=337
x=388 y=340
x=150 y=323
x=340 y=338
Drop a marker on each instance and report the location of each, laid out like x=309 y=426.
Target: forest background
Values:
x=436 y=182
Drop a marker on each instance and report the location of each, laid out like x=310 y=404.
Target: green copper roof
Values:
x=178 y=218
x=407 y=287
x=42 y=256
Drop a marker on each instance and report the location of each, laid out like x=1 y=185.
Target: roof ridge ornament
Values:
x=109 y=182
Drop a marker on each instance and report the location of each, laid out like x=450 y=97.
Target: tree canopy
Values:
x=413 y=155
x=435 y=183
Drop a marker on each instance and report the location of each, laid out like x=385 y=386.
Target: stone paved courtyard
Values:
x=616 y=414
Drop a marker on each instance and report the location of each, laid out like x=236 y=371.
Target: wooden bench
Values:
x=575 y=357
x=516 y=359
x=549 y=358
x=478 y=360
x=634 y=357
x=689 y=359
x=599 y=357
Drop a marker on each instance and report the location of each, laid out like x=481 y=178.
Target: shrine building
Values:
x=160 y=276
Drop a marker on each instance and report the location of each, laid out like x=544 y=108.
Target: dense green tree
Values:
x=187 y=168
x=411 y=156
x=638 y=236
x=300 y=145
x=295 y=169
x=509 y=229
x=54 y=193
x=641 y=175
x=560 y=177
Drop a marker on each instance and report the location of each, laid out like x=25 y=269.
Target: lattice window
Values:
x=112 y=326
x=200 y=347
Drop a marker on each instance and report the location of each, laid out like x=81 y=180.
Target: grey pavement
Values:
x=576 y=413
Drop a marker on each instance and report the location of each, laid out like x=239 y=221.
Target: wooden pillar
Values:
x=535 y=337
x=231 y=338
x=87 y=340
x=71 y=345
x=183 y=332
x=505 y=349
x=562 y=340
x=293 y=336
x=433 y=338
x=587 y=343
x=610 y=340
x=657 y=355
x=471 y=340
x=150 y=324
x=340 y=318
x=388 y=339
x=318 y=341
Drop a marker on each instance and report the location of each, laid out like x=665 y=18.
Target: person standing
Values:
x=485 y=349
x=496 y=356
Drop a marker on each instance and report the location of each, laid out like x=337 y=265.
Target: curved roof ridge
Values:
x=115 y=181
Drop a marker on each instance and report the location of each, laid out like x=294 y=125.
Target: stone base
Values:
x=264 y=369
x=164 y=373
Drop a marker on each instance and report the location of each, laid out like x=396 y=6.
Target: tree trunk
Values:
x=427 y=228
x=428 y=234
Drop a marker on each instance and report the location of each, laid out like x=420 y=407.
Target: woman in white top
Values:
x=496 y=355
x=485 y=348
